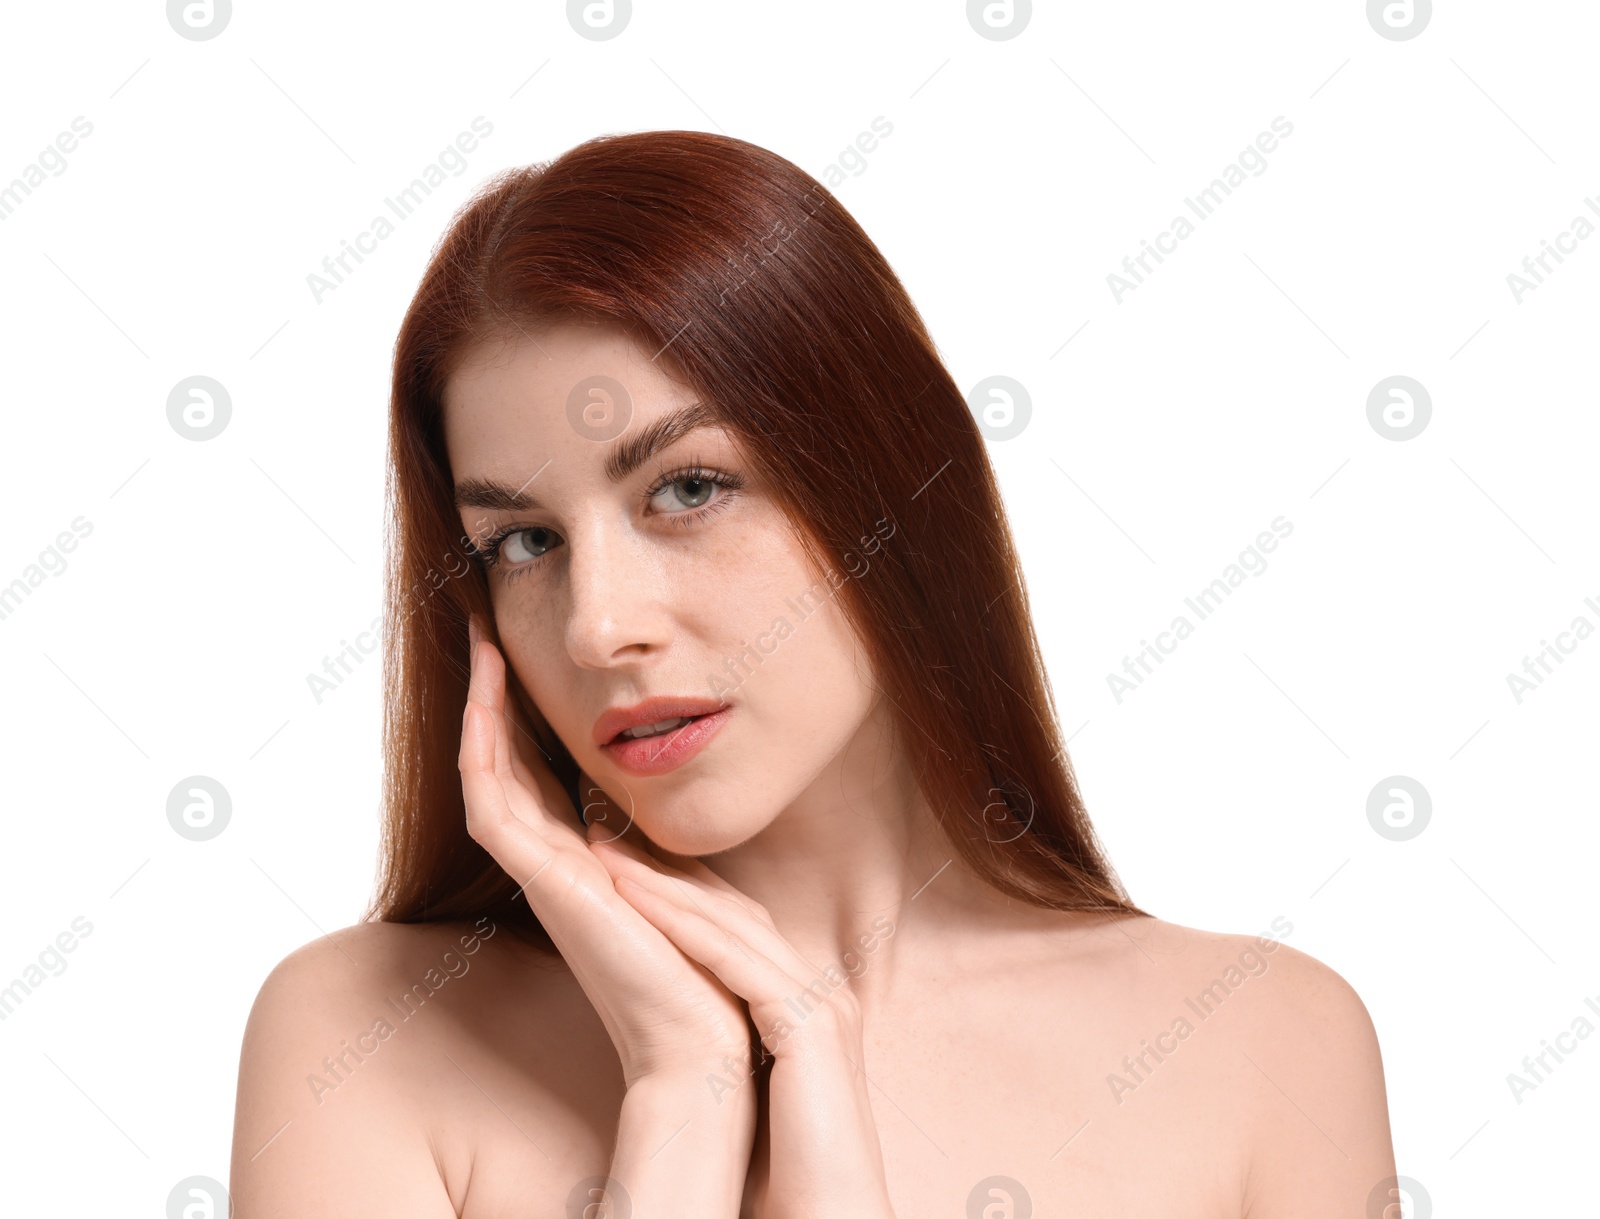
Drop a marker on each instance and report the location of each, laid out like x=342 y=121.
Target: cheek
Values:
x=531 y=636
x=828 y=657
x=804 y=684
x=782 y=633
x=797 y=711
x=760 y=628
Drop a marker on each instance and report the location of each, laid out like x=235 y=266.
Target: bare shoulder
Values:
x=1290 y=1050
x=357 y=1068
x=1214 y=966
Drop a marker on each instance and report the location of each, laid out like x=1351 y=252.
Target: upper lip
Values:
x=615 y=720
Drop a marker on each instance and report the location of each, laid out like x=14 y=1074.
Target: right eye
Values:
x=520 y=546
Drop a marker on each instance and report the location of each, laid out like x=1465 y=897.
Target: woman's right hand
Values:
x=667 y=1015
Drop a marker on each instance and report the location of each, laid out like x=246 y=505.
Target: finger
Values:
x=736 y=963
x=673 y=884
x=487 y=684
x=530 y=764
x=699 y=871
x=487 y=687
x=631 y=853
x=689 y=867
x=491 y=820
x=476 y=639
x=561 y=891
x=728 y=913
x=662 y=860
x=608 y=823
x=613 y=853
x=510 y=820
x=533 y=797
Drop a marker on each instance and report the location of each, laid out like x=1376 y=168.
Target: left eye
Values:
x=526 y=544
x=683 y=493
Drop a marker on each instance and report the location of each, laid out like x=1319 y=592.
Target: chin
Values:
x=690 y=823
x=686 y=836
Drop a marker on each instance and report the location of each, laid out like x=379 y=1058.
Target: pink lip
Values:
x=615 y=720
x=656 y=755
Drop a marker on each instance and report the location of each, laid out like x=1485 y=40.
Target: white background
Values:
x=1229 y=389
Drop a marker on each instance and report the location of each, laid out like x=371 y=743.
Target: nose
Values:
x=615 y=612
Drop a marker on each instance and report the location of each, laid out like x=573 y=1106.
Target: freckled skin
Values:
x=990 y=1033
x=634 y=605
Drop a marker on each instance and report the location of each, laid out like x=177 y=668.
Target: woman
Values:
x=755 y=880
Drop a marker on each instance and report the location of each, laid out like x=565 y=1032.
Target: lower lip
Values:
x=656 y=755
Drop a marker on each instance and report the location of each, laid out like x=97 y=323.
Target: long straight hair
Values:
x=771 y=302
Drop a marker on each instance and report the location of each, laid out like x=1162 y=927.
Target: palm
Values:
x=657 y=1004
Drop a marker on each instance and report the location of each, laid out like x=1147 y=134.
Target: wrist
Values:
x=718 y=1091
x=831 y=1032
x=680 y=1154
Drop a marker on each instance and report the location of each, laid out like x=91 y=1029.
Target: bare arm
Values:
x=822 y=1149
x=301 y=1152
x=1321 y=1145
x=682 y=1150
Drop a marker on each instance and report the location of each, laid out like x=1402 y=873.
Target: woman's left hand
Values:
x=821 y=1155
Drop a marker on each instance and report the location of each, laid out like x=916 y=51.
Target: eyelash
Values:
x=488 y=551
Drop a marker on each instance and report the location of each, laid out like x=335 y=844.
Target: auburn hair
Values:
x=776 y=307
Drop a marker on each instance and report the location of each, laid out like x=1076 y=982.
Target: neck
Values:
x=857 y=874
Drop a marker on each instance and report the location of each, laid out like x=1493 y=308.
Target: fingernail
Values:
x=474 y=631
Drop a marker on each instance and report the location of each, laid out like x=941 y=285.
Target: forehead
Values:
x=562 y=402
x=593 y=378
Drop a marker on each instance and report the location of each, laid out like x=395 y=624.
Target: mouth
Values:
x=645 y=731
x=658 y=735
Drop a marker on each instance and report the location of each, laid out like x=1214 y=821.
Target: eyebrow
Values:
x=626 y=456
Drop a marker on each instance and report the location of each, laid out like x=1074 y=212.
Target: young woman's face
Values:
x=642 y=574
